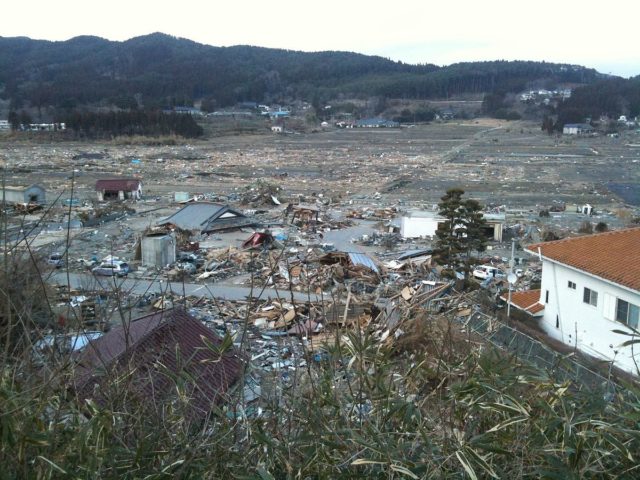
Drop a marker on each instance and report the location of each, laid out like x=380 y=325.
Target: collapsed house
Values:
x=154 y=353
x=119 y=189
x=207 y=217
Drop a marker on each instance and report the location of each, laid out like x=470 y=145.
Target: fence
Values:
x=561 y=367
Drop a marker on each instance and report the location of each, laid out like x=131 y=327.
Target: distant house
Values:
x=447 y=114
x=577 y=129
x=185 y=111
x=590 y=288
x=206 y=217
x=277 y=128
x=279 y=114
x=376 y=123
x=156 y=353
x=119 y=189
x=33 y=194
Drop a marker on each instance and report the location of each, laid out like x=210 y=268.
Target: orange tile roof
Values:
x=527 y=301
x=613 y=256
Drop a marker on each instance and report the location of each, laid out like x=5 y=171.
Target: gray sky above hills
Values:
x=601 y=35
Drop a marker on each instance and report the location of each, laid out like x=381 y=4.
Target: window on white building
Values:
x=571 y=285
x=590 y=297
x=627 y=313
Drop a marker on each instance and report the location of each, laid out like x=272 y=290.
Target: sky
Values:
x=602 y=35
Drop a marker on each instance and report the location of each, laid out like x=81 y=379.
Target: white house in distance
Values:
x=591 y=287
x=417 y=224
x=577 y=129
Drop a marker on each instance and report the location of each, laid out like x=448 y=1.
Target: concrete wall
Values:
x=583 y=325
x=158 y=250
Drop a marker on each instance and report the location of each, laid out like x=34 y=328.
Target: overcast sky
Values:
x=602 y=35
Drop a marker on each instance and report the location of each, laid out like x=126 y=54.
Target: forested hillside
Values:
x=158 y=70
x=611 y=97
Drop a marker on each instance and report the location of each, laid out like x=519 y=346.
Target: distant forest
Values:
x=158 y=70
x=86 y=79
x=612 y=97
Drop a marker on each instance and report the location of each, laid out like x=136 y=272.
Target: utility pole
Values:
x=511 y=277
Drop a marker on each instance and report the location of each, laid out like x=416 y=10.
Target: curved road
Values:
x=139 y=286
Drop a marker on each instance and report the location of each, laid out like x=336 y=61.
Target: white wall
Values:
x=590 y=327
x=414 y=227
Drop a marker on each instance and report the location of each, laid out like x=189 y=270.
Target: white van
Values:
x=485 y=271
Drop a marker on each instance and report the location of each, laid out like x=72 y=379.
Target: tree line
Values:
x=93 y=125
x=157 y=70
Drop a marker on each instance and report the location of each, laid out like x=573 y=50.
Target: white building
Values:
x=591 y=287
x=577 y=129
x=418 y=224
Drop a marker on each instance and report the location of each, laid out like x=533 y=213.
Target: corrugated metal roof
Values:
x=153 y=350
x=362 y=259
x=207 y=217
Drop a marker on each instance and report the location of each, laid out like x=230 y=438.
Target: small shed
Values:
x=158 y=249
x=119 y=189
x=33 y=194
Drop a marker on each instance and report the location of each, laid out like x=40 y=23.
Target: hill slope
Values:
x=159 y=70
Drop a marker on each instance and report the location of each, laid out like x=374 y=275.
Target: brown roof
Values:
x=527 y=301
x=159 y=351
x=613 y=256
x=118 y=184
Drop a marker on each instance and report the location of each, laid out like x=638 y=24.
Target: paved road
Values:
x=88 y=281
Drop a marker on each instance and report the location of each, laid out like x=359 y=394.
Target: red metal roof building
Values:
x=119 y=189
x=157 y=352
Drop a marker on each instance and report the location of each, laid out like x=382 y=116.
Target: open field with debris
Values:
x=496 y=162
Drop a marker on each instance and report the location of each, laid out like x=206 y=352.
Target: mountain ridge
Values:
x=159 y=70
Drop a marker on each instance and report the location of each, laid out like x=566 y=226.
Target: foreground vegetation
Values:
x=432 y=404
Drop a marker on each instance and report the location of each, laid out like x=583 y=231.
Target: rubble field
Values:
x=324 y=250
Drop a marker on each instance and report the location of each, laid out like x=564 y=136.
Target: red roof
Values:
x=118 y=184
x=613 y=256
x=159 y=351
x=527 y=301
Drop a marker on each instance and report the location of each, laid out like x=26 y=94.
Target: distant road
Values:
x=139 y=286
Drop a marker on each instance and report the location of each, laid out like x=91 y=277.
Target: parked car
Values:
x=115 y=267
x=56 y=259
x=187 y=267
x=485 y=271
x=189 y=257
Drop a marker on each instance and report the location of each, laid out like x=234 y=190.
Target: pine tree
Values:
x=463 y=228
